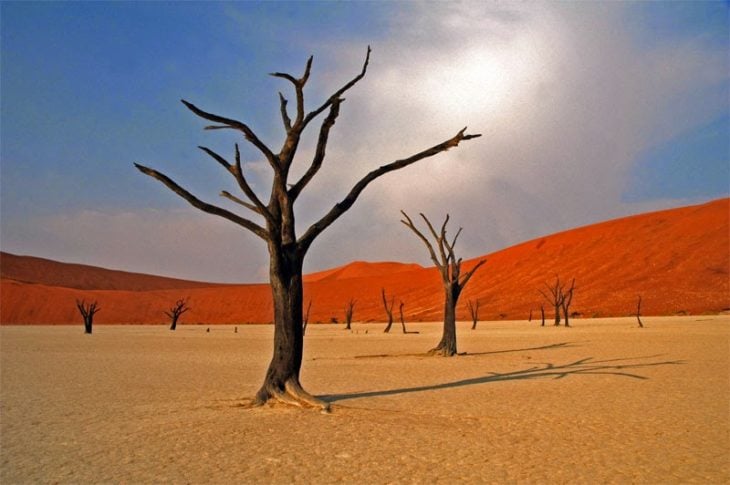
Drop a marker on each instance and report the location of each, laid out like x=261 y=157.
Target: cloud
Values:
x=567 y=101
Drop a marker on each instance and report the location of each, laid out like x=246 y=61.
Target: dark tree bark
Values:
x=180 y=307
x=276 y=227
x=566 y=301
x=453 y=281
x=474 y=312
x=530 y=318
x=348 y=313
x=388 y=310
x=87 y=312
x=305 y=320
x=638 y=313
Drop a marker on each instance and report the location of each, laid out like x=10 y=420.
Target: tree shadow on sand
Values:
x=587 y=366
x=560 y=345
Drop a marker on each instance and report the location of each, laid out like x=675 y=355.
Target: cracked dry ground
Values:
x=600 y=402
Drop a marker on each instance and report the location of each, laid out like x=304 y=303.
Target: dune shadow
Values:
x=623 y=367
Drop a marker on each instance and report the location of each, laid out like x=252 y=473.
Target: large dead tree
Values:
x=276 y=221
x=388 y=309
x=180 y=307
x=442 y=255
x=348 y=313
x=87 y=312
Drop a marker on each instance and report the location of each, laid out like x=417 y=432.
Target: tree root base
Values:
x=291 y=395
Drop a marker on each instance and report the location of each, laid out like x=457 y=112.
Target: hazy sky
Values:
x=588 y=111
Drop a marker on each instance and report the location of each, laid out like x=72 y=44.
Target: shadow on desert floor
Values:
x=622 y=367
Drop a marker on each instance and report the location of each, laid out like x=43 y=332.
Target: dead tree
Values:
x=542 y=314
x=348 y=313
x=388 y=310
x=530 y=317
x=180 y=307
x=453 y=281
x=638 y=312
x=474 y=312
x=275 y=224
x=305 y=319
x=566 y=300
x=554 y=297
x=88 y=312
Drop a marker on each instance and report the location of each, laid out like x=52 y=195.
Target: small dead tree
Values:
x=554 y=296
x=388 y=309
x=453 y=281
x=474 y=312
x=542 y=314
x=87 y=311
x=529 y=319
x=566 y=300
x=305 y=319
x=638 y=312
x=274 y=219
x=180 y=307
x=348 y=313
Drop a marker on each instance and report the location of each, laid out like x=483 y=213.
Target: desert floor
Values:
x=603 y=401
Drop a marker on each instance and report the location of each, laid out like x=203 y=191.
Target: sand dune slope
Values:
x=678 y=260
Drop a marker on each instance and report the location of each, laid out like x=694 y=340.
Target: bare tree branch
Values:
x=236 y=125
x=204 y=206
x=339 y=92
x=319 y=153
x=341 y=207
x=469 y=274
x=233 y=198
x=409 y=223
x=284 y=115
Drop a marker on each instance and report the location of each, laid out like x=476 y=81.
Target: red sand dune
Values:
x=678 y=260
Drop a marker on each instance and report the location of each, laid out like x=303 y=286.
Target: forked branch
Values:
x=204 y=206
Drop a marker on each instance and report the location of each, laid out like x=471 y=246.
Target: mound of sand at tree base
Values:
x=603 y=402
x=678 y=260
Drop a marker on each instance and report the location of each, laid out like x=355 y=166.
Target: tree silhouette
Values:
x=87 y=312
x=348 y=313
x=474 y=312
x=287 y=249
x=453 y=281
x=180 y=307
x=388 y=309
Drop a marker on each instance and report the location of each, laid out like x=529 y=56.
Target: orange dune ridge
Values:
x=678 y=260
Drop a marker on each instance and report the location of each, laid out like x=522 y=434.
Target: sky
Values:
x=588 y=111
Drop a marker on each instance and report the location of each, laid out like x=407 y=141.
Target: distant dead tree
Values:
x=554 y=296
x=87 y=311
x=403 y=320
x=388 y=310
x=542 y=313
x=305 y=319
x=474 y=312
x=273 y=217
x=453 y=281
x=180 y=307
x=566 y=300
x=638 y=312
x=348 y=313
x=530 y=317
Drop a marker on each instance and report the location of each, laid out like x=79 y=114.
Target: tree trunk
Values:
x=88 y=323
x=557 y=315
x=282 y=376
x=447 y=345
x=173 y=326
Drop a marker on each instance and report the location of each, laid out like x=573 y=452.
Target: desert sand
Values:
x=602 y=402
